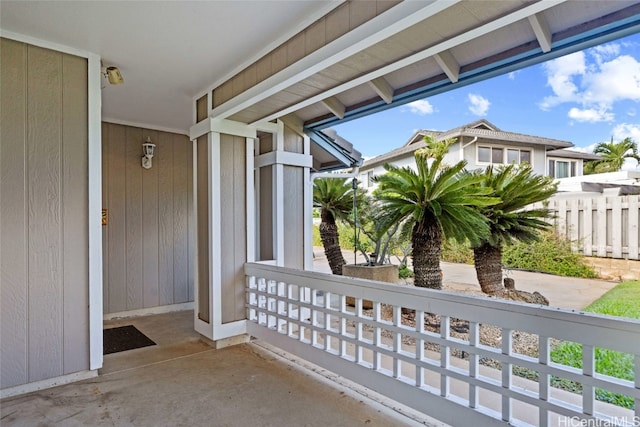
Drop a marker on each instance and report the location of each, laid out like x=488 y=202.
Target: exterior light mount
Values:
x=148 y=149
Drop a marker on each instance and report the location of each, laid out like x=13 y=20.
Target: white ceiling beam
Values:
x=487 y=28
x=542 y=31
x=382 y=88
x=449 y=64
x=383 y=26
x=335 y=106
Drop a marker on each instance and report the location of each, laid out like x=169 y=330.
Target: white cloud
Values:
x=616 y=80
x=512 y=75
x=587 y=149
x=560 y=74
x=602 y=52
x=421 y=107
x=594 y=80
x=478 y=104
x=631 y=112
x=590 y=115
x=626 y=130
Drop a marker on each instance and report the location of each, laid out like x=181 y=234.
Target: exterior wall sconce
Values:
x=113 y=75
x=147 y=148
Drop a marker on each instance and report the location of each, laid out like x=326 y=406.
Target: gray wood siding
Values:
x=293 y=204
x=234 y=225
x=148 y=251
x=44 y=278
x=264 y=209
x=341 y=20
x=293 y=217
x=265 y=213
x=203 y=228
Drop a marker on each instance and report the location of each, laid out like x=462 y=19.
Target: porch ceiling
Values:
x=167 y=51
x=465 y=42
x=170 y=52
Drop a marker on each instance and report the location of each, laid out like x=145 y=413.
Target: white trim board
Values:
x=145 y=126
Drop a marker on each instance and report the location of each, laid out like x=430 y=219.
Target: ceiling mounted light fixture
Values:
x=113 y=75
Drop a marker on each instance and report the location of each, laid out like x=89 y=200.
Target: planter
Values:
x=380 y=273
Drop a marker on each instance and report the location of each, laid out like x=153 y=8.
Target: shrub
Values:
x=453 y=251
x=551 y=254
x=404 y=272
x=345 y=232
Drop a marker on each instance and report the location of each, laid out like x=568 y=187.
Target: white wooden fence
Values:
x=605 y=227
x=305 y=313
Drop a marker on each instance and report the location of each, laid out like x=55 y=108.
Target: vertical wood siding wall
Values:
x=44 y=280
x=149 y=242
x=265 y=203
x=202 y=200
x=604 y=227
x=233 y=193
x=293 y=203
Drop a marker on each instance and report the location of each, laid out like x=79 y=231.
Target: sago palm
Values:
x=334 y=198
x=511 y=219
x=434 y=201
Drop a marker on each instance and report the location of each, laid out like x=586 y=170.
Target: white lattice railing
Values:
x=445 y=377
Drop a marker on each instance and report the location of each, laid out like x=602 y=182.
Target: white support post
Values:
x=637 y=384
x=445 y=355
x=250 y=201
x=588 y=370
x=507 y=345
x=474 y=365
x=215 y=245
x=278 y=202
x=200 y=326
x=94 y=215
x=544 y=380
x=419 y=321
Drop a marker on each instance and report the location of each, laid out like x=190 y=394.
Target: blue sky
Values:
x=585 y=98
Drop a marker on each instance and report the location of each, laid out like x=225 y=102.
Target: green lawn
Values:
x=621 y=301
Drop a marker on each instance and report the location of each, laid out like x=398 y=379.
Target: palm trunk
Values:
x=331 y=242
x=427 y=246
x=488 y=263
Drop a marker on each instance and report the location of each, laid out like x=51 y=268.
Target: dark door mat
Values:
x=124 y=338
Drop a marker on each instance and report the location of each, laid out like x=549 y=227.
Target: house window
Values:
x=562 y=168
x=496 y=155
x=370 y=179
x=484 y=155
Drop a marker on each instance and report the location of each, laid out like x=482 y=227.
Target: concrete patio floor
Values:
x=183 y=381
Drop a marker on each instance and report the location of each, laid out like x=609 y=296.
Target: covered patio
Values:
x=183 y=381
x=237 y=98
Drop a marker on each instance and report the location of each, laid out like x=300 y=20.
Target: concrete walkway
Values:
x=565 y=292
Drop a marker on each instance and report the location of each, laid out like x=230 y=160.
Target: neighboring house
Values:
x=481 y=144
